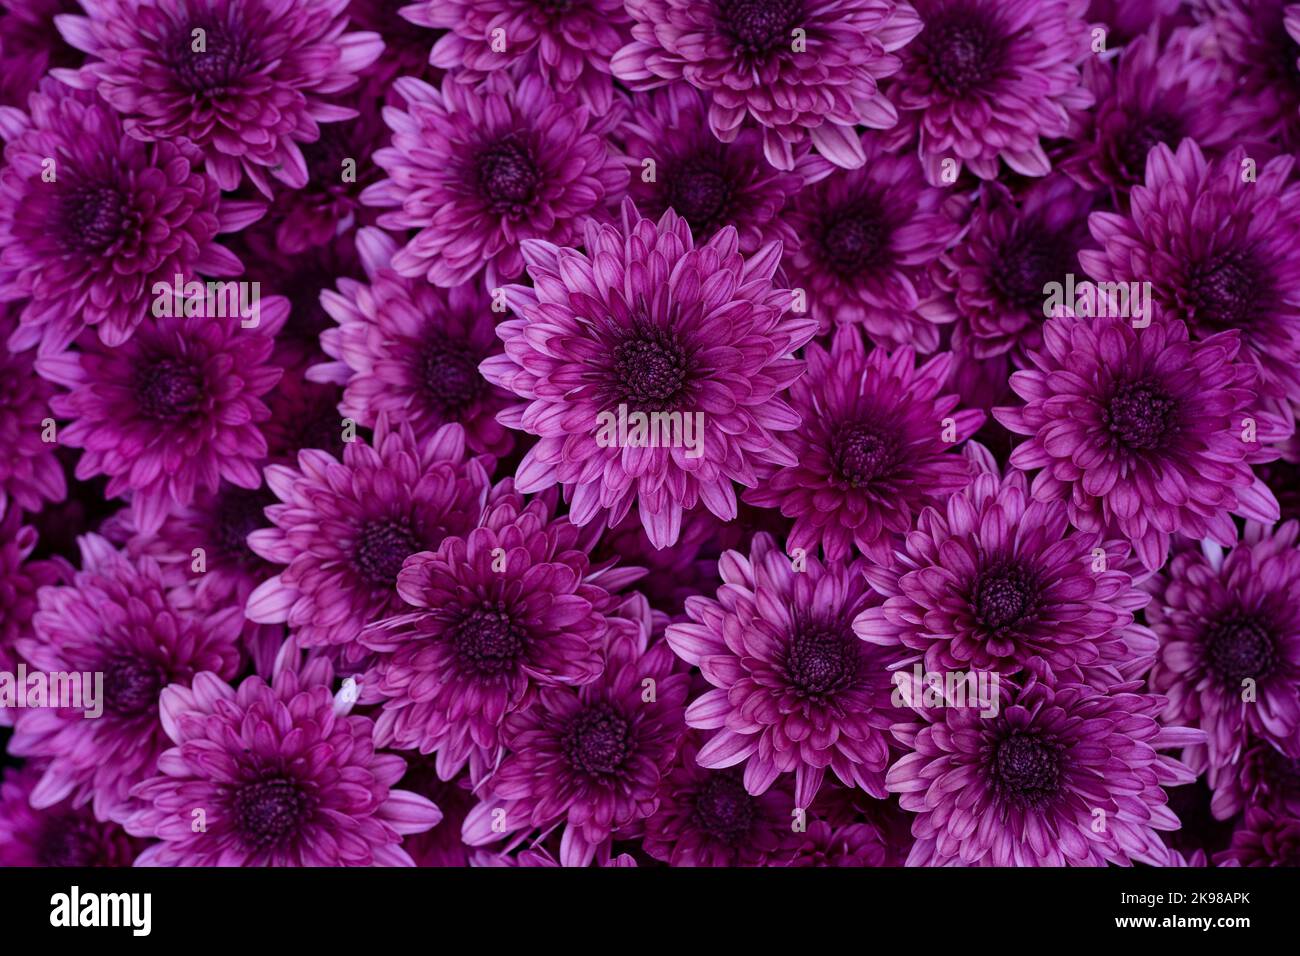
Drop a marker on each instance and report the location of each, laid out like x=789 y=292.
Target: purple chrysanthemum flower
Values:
x=989 y=80
x=479 y=170
x=1013 y=249
x=407 y=44
x=512 y=606
x=795 y=71
x=648 y=322
x=854 y=844
x=20 y=579
x=866 y=239
x=1262 y=776
x=568 y=43
x=173 y=411
x=87 y=246
x=1237 y=267
x=591 y=758
x=1229 y=628
x=344 y=528
x=1264 y=838
x=121 y=619
x=795 y=690
x=996 y=581
x=30 y=474
x=246 y=81
x=412 y=350
x=1027 y=787
x=285 y=776
x=1150 y=94
x=1144 y=432
x=62 y=835
x=876 y=445
x=1259 y=40
x=30 y=45
x=709 y=183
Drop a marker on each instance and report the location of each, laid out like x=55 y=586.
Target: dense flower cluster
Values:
x=854 y=433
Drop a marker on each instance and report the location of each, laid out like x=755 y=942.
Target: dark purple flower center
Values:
x=724 y=809
x=1223 y=292
x=863 y=453
x=1239 y=647
x=1006 y=597
x=963 y=50
x=96 y=216
x=381 y=548
x=854 y=238
x=700 y=191
x=651 y=370
x=1026 y=769
x=132 y=686
x=238 y=513
x=488 y=643
x=269 y=812
x=69 y=840
x=1141 y=136
x=553 y=7
x=449 y=374
x=597 y=740
x=1141 y=416
x=759 y=26
x=1028 y=261
x=821 y=659
x=169 y=390
x=508 y=175
x=209 y=63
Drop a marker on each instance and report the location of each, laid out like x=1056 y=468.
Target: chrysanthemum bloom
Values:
x=865 y=240
x=479 y=170
x=20 y=579
x=794 y=71
x=991 y=79
x=55 y=836
x=995 y=581
x=855 y=844
x=1229 y=628
x=709 y=183
x=1262 y=776
x=998 y=273
x=708 y=818
x=344 y=528
x=86 y=238
x=1264 y=838
x=305 y=415
x=1024 y=788
x=247 y=81
x=284 y=774
x=30 y=474
x=648 y=321
x=1259 y=40
x=568 y=44
x=440 y=846
x=406 y=44
x=412 y=350
x=796 y=691
x=512 y=606
x=118 y=618
x=1143 y=431
x=173 y=411
x=590 y=759
x=29 y=45
x=877 y=444
x=1221 y=250
x=1149 y=95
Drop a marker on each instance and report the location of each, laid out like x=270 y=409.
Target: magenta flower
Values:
x=1263 y=776
x=867 y=238
x=794 y=71
x=1240 y=269
x=648 y=321
x=1026 y=787
x=854 y=845
x=989 y=80
x=86 y=247
x=795 y=690
x=283 y=774
x=1259 y=40
x=60 y=835
x=1230 y=642
x=1144 y=432
x=1263 y=839
x=123 y=619
x=343 y=529
x=512 y=606
x=173 y=411
x=412 y=350
x=246 y=81
x=30 y=474
x=590 y=758
x=20 y=580
x=478 y=171
x=568 y=44
x=876 y=445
